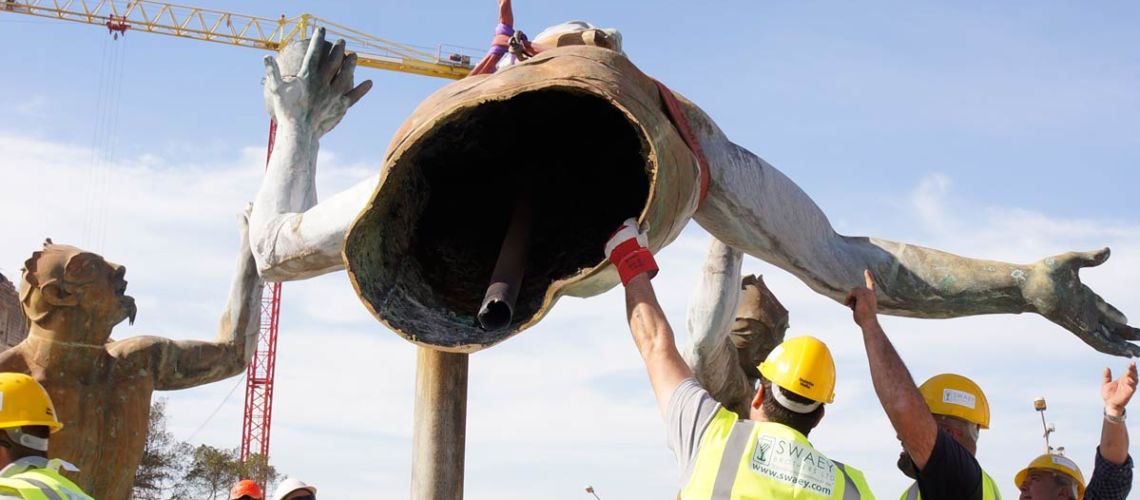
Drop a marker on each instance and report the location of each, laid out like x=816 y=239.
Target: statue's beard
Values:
x=127 y=305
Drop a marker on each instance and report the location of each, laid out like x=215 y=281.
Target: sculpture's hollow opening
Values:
x=581 y=161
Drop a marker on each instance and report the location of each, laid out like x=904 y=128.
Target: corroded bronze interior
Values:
x=575 y=156
x=585 y=151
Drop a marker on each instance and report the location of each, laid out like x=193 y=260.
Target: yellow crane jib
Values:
x=230 y=28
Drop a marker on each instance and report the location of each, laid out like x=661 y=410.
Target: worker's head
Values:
x=74 y=295
x=796 y=380
x=960 y=409
x=1051 y=477
x=27 y=418
x=246 y=490
x=294 y=489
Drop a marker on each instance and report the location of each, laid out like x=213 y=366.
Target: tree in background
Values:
x=213 y=471
x=164 y=458
x=172 y=469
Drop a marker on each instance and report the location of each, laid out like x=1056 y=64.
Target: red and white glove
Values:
x=626 y=248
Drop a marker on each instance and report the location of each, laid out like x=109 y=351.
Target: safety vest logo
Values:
x=793 y=463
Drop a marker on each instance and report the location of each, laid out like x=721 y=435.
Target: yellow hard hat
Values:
x=956 y=396
x=23 y=401
x=1056 y=463
x=802 y=365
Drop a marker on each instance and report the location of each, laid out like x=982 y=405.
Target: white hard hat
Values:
x=290 y=485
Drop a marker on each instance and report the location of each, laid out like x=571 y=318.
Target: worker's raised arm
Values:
x=1116 y=394
x=894 y=386
x=292 y=236
x=651 y=331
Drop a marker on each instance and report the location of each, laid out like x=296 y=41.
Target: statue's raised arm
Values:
x=307 y=92
x=587 y=138
x=179 y=364
x=733 y=323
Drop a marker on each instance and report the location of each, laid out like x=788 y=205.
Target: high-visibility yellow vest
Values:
x=746 y=460
x=42 y=484
x=989 y=490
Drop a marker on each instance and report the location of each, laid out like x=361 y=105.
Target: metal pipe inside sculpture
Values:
x=499 y=302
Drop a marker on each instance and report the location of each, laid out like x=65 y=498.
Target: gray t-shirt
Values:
x=688 y=415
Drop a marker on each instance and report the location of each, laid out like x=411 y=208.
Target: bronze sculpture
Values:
x=582 y=128
x=102 y=387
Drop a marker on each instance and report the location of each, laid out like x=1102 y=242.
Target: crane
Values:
x=123 y=16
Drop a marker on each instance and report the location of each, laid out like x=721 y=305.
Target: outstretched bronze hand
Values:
x=1054 y=289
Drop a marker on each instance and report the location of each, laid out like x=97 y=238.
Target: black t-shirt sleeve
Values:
x=952 y=473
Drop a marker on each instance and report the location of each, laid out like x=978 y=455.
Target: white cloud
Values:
x=31 y=106
x=567 y=403
x=929 y=200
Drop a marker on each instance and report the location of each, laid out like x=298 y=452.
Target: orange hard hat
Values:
x=246 y=488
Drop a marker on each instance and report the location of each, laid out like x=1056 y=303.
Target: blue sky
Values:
x=1000 y=131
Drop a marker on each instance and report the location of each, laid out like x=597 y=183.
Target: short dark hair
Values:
x=775 y=412
x=17 y=451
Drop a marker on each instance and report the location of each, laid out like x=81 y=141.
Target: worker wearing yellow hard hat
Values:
x=1054 y=476
x=1051 y=476
x=27 y=418
x=722 y=456
x=938 y=423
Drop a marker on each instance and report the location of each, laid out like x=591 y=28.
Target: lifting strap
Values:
x=677 y=116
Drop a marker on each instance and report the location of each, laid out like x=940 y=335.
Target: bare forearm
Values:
x=899 y=396
x=1114 y=439
x=651 y=331
x=654 y=340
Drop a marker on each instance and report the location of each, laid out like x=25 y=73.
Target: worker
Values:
x=500 y=43
x=294 y=489
x=723 y=457
x=1052 y=476
x=246 y=490
x=28 y=418
x=938 y=423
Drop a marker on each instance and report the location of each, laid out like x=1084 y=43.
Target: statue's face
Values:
x=86 y=288
x=101 y=288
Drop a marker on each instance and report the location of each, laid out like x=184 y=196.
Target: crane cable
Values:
x=201 y=426
x=104 y=140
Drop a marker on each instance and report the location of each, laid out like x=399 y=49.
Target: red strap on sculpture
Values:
x=677 y=116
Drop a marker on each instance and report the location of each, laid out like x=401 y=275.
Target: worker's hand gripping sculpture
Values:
x=102 y=387
x=588 y=137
